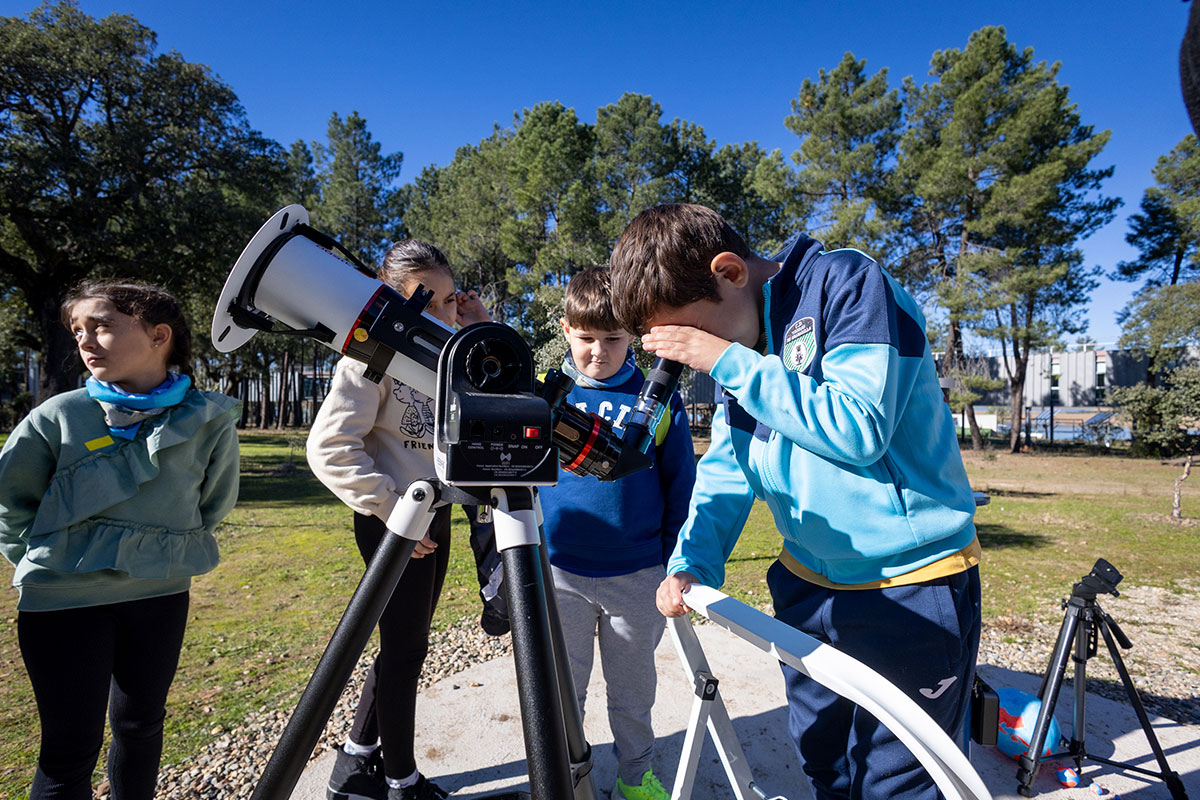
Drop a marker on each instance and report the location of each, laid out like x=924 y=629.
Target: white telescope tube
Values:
x=850 y=678
x=303 y=285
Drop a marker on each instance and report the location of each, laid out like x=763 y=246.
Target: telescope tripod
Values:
x=1083 y=620
x=558 y=758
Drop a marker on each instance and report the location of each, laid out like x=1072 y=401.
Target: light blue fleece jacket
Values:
x=841 y=428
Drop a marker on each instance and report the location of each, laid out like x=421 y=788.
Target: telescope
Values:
x=499 y=432
x=491 y=428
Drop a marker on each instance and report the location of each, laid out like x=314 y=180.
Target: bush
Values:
x=1166 y=418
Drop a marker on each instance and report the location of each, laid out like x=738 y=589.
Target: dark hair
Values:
x=588 y=301
x=663 y=260
x=408 y=258
x=148 y=304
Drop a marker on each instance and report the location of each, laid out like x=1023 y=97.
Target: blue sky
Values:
x=429 y=77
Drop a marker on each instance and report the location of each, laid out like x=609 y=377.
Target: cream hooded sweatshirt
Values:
x=370 y=440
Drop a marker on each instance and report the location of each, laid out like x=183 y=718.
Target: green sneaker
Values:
x=648 y=789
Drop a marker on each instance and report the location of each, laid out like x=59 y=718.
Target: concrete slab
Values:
x=469 y=733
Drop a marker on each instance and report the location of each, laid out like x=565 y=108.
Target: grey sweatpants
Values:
x=630 y=626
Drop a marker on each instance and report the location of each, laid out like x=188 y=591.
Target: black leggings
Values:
x=81 y=660
x=388 y=706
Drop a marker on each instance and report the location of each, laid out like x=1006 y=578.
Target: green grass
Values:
x=259 y=622
x=1049 y=519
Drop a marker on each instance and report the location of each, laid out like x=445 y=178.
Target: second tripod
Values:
x=1083 y=623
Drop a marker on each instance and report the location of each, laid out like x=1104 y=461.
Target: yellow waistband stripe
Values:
x=952 y=564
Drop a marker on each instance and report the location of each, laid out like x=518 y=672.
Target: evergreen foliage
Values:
x=1167 y=231
x=354 y=179
x=1161 y=322
x=994 y=181
x=1164 y=417
x=973 y=188
x=849 y=126
x=115 y=160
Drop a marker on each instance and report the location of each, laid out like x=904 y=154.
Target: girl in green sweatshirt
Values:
x=109 y=496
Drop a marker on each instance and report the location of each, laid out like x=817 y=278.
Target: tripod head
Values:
x=1103 y=579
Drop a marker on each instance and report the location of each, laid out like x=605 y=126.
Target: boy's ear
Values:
x=565 y=327
x=731 y=267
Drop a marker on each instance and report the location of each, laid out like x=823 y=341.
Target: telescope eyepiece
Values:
x=653 y=401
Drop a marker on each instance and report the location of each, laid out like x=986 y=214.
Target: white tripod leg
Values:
x=708 y=711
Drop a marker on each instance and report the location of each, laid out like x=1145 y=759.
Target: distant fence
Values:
x=1095 y=425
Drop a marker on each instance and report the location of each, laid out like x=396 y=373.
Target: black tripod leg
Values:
x=578 y=748
x=537 y=683
x=1171 y=779
x=1083 y=651
x=519 y=542
x=324 y=689
x=1051 y=683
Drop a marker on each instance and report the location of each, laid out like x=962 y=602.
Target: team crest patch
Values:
x=799 y=344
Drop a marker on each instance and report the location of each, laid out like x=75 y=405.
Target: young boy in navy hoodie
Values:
x=833 y=415
x=608 y=542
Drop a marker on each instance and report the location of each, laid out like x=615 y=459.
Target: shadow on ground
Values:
x=994 y=536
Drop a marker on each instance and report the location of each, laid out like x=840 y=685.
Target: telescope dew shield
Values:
x=289 y=273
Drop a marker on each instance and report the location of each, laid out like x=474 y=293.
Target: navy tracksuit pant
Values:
x=924 y=638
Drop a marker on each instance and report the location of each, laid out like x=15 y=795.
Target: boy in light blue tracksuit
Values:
x=608 y=542
x=832 y=415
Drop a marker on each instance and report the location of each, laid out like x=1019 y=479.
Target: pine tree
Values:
x=997 y=190
x=1164 y=315
x=357 y=205
x=634 y=159
x=848 y=126
x=1167 y=231
x=462 y=208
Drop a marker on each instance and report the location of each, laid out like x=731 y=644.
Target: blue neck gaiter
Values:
x=124 y=412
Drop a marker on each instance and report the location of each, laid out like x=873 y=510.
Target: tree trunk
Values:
x=956 y=361
x=285 y=375
x=298 y=391
x=973 y=424
x=244 y=390
x=312 y=414
x=1176 y=511
x=60 y=363
x=1016 y=399
x=264 y=402
x=961 y=358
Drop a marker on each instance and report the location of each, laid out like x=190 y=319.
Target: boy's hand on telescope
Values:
x=687 y=345
x=424 y=547
x=470 y=309
x=670 y=594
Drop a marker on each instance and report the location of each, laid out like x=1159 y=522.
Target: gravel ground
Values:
x=1164 y=662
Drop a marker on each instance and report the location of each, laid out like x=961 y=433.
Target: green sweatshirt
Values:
x=89 y=519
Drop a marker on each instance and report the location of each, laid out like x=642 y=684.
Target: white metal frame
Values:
x=947 y=764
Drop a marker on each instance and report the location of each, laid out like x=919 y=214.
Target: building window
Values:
x=1055 y=374
x=1101 y=379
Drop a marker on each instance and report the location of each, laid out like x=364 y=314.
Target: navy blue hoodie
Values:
x=600 y=529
